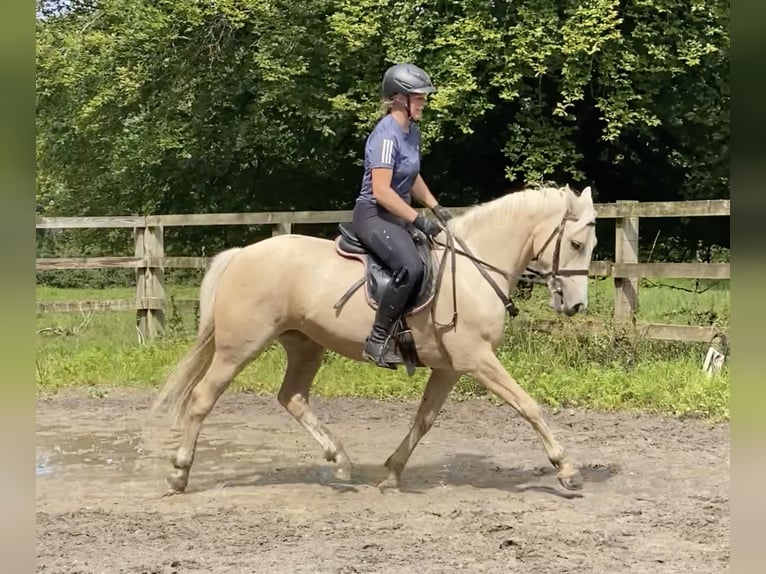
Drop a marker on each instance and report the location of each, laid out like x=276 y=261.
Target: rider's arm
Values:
x=381 y=154
x=421 y=192
x=387 y=197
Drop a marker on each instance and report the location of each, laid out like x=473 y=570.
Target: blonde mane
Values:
x=510 y=206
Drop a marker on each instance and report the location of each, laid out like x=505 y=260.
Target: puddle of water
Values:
x=124 y=450
x=42 y=465
x=98 y=448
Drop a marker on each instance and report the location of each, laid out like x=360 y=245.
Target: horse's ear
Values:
x=586 y=194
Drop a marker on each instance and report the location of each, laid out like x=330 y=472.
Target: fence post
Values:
x=626 y=251
x=140 y=233
x=154 y=248
x=282 y=228
x=150 y=287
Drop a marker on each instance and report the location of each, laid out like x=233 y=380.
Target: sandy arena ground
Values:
x=479 y=494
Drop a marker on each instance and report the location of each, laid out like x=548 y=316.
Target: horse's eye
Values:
x=576 y=245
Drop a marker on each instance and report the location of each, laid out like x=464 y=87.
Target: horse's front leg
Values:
x=437 y=389
x=491 y=373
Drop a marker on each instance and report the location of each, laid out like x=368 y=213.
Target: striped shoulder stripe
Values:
x=387 y=151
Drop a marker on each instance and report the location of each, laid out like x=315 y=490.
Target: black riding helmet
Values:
x=406 y=79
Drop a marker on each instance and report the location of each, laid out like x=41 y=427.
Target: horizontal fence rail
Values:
x=597 y=268
x=620 y=209
x=149 y=260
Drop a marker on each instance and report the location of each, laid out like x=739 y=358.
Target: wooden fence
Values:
x=150 y=261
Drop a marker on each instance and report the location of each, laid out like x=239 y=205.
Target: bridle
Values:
x=553 y=276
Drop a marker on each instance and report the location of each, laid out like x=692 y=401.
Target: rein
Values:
x=508 y=304
x=554 y=274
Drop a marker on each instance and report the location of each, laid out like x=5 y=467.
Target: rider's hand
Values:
x=441 y=213
x=427 y=226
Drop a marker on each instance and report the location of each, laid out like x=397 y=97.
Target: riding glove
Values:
x=427 y=226
x=441 y=213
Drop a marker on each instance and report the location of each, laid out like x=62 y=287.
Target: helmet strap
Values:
x=406 y=100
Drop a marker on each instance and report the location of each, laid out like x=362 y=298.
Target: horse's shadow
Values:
x=460 y=469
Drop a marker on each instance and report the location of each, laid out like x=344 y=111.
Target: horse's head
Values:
x=563 y=248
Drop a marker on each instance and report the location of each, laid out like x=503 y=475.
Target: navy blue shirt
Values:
x=388 y=145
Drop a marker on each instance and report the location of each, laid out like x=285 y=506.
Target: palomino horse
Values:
x=286 y=288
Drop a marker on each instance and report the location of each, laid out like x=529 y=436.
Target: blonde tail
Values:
x=191 y=369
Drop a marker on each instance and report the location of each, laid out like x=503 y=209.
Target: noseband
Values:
x=553 y=276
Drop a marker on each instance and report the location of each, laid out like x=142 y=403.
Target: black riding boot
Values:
x=378 y=347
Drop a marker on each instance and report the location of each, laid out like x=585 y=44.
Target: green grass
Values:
x=50 y=294
x=565 y=368
x=668 y=301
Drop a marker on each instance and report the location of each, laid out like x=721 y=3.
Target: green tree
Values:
x=227 y=105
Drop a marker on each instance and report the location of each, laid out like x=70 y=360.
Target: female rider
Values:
x=383 y=207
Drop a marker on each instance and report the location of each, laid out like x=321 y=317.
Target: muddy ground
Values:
x=479 y=494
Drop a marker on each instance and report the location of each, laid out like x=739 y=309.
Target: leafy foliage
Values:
x=228 y=105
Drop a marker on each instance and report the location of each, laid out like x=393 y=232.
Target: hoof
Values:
x=342 y=472
x=571 y=480
x=176 y=485
x=170 y=492
x=392 y=482
x=173 y=488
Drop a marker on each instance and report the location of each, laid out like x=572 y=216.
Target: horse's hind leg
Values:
x=437 y=389
x=226 y=364
x=304 y=358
